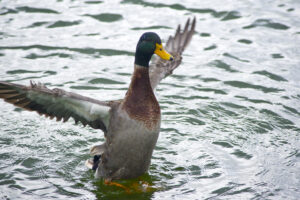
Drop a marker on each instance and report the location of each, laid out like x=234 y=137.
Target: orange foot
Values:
x=109 y=182
x=138 y=187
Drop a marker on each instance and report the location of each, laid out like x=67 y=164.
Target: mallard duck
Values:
x=131 y=125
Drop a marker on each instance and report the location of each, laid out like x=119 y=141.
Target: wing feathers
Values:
x=175 y=45
x=65 y=105
x=57 y=103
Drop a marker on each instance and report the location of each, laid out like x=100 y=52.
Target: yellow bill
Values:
x=161 y=52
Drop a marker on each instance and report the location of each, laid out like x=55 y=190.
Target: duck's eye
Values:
x=160 y=49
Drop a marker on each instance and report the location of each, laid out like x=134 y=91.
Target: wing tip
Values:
x=193 y=24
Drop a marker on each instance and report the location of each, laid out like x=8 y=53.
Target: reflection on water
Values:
x=230 y=127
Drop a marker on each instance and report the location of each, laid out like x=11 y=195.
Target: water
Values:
x=230 y=127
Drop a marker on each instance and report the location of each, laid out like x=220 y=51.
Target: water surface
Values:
x=231 y=112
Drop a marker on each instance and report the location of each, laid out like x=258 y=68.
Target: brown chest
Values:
x=140 y=102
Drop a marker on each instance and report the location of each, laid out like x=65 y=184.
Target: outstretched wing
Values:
x=175 y=45
x=57 y=103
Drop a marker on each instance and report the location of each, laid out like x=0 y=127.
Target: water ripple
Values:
x=59 y=24
x=231 y=16
x=27 y=9
x=270 y=75
x=267 y=23
x=240 y=84
x=245 y=41
x=150 y=28
x=107 y=17
x=36 y=56
x=104 y=81
x=36 y=10
x=222 y=65
x=37 y=24
x=256 y=101
x=234 y=57
x=93 y=2
x=226 y=15
x=90 y=51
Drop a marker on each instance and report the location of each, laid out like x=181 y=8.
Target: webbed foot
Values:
x=111 y=183
x=133 y=187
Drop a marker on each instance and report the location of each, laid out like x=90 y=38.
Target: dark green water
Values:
x=231 y=112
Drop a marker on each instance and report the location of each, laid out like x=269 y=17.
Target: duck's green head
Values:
x=149 y=44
